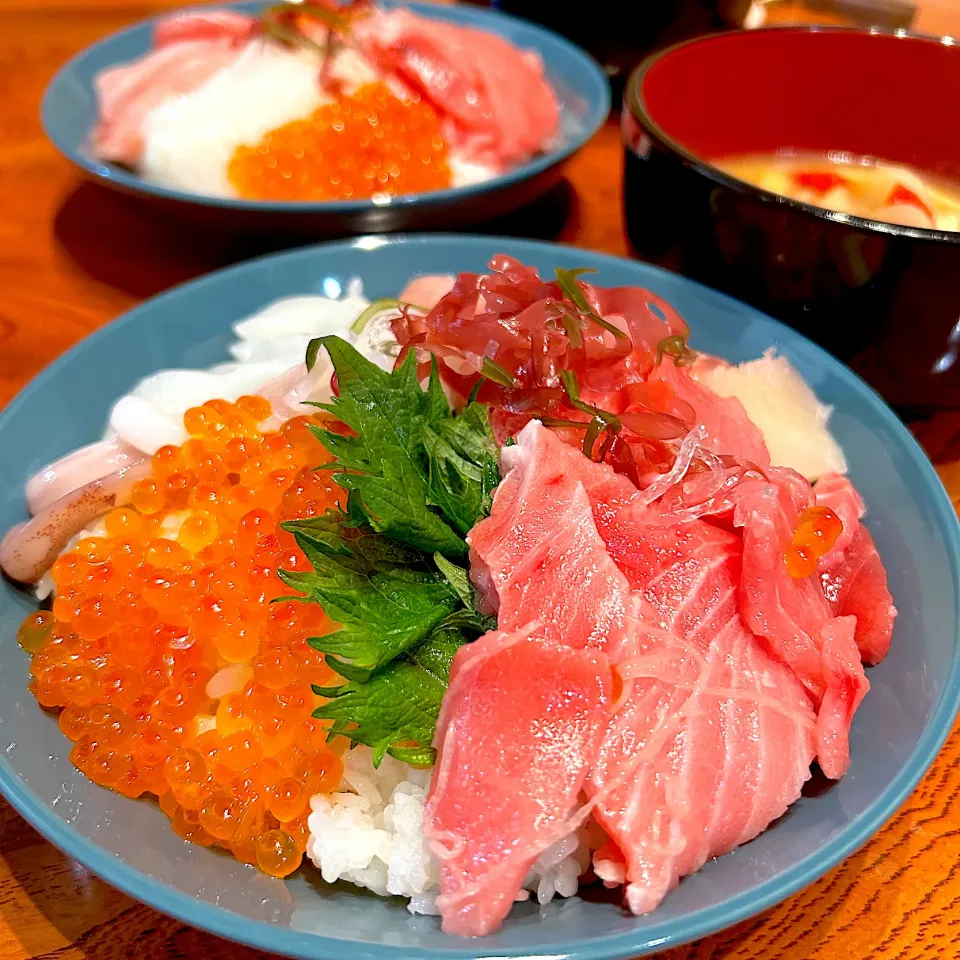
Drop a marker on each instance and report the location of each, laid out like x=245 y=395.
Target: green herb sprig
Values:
x=572 y=291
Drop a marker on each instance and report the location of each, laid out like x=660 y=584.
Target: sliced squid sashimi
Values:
x=30 y=549
x=519 y=726
x=144 y=424
x=289 y=393
x=151 y=415
x=307 y=316
x=76 y=469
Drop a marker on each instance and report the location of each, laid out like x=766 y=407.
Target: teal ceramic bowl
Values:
x=896 y=734
x=70 y=112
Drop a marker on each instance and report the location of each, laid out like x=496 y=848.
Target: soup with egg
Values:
x=861 y=187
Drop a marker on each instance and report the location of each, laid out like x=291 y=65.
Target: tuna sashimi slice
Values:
x=508 y=779
x=502 y=108
x=793 y=615
x=714 y=737
x=427 y=291
x=686 y=571
x=729 y=429
x=733 y=676
x=718 y=758
x=606 y=489
x=520 y=724
x=541 y=550
x=788 y=612
x=852 y=573
x=856 y=585
x=837 y=492
x=205 y=25
x=845 y=689
x=127 y=93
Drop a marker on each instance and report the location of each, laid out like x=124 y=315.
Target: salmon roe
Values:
x=817 y=531
x=175 y=673
x=366 y=144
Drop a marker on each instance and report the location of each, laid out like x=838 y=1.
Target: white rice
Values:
x=370 y=833
x=190 y=140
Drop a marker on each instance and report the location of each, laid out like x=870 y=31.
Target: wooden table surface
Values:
x=73 y=256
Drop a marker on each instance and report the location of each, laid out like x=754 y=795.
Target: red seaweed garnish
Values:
x=575 y=356
x=287 y=24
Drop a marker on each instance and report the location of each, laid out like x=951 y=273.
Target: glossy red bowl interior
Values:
x=892 y=97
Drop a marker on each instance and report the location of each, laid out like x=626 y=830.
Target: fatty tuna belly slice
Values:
x=793 y=615
x=520 y=725
x=551 y=458
x=852 y=573
x=540 y=474
x=126 y=94
x=856 y=585
x=713 y=737
x=526 y=708
x=839 y=494
x=541 y=549
x=729 y=429
x=700 y=759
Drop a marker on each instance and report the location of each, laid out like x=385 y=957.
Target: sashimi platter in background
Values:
x=316 y=102
x=289 y=595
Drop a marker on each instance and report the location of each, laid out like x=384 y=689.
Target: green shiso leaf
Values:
x=390 y=567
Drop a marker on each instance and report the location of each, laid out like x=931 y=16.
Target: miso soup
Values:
x=862 y=187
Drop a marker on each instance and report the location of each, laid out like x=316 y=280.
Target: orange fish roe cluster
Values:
x=358 y=146
x=817 y=531
x=176 y=673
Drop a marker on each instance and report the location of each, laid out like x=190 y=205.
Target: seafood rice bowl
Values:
x=317 y=102
x=288 y=597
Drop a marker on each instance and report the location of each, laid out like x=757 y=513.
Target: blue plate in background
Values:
x=895 y=736
x=70 y=113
